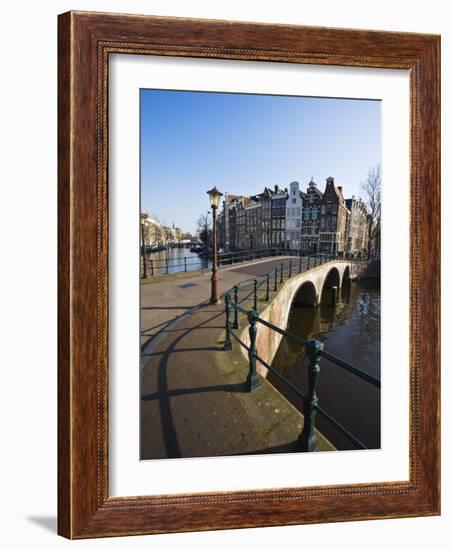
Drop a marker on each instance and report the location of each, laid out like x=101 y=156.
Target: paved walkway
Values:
x=166 y=298
x=193 y=399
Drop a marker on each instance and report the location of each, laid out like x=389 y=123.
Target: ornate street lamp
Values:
x=214 y=196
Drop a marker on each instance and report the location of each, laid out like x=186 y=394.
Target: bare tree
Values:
x=204 y=228
x=372 y=189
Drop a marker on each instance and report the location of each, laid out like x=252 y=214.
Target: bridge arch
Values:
x=306 y=295
x=346 y=276
x=331 y=280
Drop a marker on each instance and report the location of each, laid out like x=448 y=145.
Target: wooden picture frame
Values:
x=86 y=40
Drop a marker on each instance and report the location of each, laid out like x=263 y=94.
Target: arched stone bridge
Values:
x=308 y=288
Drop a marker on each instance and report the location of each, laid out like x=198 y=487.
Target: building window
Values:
x=322 y=210
x=294 y=201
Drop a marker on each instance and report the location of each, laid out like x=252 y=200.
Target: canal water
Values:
x=177 y=259
x=350 y=331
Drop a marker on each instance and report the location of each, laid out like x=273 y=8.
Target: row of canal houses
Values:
x=309 y=221
x=156 y=234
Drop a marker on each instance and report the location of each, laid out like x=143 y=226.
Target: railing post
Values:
x=308 y=440
x=228 y=341
x=309 y=258
x=315 y=260
x=236 y=310
x=281 y=273
x=275 y=288
x=253 y=380
x=290 y=267
x=185 y=263
x=255 y=295
x=267 y=290
x=166 y=261
x=299 y=265
x=152 y=267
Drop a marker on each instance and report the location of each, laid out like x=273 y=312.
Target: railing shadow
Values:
x=229 y=388
x=164 y=393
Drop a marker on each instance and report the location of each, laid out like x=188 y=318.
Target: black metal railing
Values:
x=314 y=349
x=237 y=256
x=286 y=269
x=164 y=266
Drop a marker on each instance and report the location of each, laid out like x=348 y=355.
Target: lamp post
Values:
x=143 y=251
x=214 y=196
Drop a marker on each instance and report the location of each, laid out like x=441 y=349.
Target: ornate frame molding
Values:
x=85 y=42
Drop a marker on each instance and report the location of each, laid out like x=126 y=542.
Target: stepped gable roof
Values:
x=279 y=190
x=359 y=202
x=313 y=188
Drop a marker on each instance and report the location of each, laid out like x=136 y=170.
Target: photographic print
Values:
x=259 y=247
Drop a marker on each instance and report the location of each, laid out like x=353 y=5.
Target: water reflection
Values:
x=351 y=331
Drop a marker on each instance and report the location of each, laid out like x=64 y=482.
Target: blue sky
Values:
x=191 y=141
